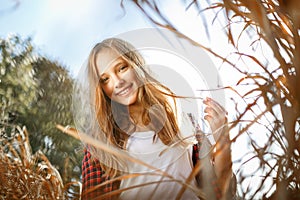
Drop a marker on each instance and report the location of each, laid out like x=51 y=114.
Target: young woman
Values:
x=133 y=113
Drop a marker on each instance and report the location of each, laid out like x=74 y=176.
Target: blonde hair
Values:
x=113 y=118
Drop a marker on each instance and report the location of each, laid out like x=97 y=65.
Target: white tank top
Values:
x=176 y=161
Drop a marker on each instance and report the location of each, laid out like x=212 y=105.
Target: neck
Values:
x=135 y=111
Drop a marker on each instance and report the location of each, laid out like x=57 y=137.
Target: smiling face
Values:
x=117 y=78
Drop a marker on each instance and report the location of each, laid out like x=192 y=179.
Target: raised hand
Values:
x=216 y=116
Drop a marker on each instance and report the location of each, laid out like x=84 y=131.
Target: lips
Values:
x=124 y=91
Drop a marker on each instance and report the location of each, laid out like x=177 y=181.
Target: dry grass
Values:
x=269 y=100
x=24 y=175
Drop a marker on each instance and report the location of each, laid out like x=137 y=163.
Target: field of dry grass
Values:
x=24 y=175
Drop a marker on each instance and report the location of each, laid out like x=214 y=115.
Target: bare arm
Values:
x=216 y=117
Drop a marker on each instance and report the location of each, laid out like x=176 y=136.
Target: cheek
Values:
x=107 y=90
x=132 y=76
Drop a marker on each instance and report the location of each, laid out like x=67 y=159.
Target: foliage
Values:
x=269 y=100
x=24 y=175
x=36 y=92
x=52 y=106
x=16 y=77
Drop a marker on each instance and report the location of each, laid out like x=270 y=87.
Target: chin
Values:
x=126 y=102
x=131 y=102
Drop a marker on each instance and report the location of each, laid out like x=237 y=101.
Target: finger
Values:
x=214 y=112
x=220 y=110
x=214 y=120
x=213 y=126
x=213 y=103
x=209 y=110
x=210 y=120
x=215 y=116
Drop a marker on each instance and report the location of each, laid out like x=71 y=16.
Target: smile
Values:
x=125 y=91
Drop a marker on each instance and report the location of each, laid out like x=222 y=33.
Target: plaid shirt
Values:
x=93 y=175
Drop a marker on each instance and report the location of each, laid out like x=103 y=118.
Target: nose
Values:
x=119 y=81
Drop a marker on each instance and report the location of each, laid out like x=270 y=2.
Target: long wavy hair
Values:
x=113 y=118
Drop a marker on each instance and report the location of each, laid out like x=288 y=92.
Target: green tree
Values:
x=18 y=88
x=53 y=106
x=36 y=92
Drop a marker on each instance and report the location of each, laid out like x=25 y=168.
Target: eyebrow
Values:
x=119 y=61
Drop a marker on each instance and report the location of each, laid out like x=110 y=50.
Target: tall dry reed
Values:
x=28 y=176
x=263 y=38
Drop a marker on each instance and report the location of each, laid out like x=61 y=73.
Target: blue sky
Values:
x=65 y=30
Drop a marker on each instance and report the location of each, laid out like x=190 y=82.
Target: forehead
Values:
x=106 y=59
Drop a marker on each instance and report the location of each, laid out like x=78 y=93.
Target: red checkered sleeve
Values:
x=92 y=176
